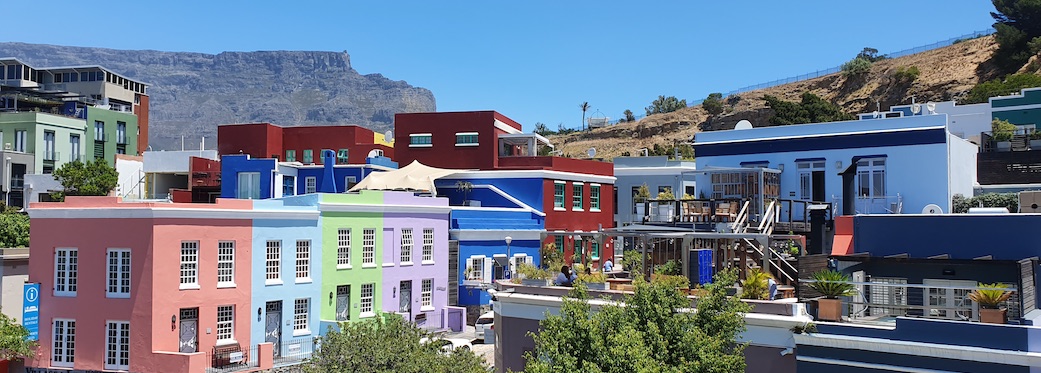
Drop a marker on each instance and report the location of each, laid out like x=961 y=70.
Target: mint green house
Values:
x=55 y=139
x=1023 y=109
x=110 y=132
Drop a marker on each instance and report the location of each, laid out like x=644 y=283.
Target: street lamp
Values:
x=509 y=264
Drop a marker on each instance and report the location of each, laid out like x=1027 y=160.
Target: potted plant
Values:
x=990 y=296
x=755 y=285
x=593 y=281
x=643 y=193
x=832 y=285
x=530 y=275
x=666 y=209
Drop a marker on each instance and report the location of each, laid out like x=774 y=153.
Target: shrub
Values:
x=906 y=75
x=990 y=298
x=812 y=109
x=713 y=104
x=643 y=193
x=1006 y=200
x=1002 y=130
x=529 y=271
x=666 y=195
x=832 y=284
x=856 y=66
x=674 y=281
x=755 y=285
x=1000 y=87
x=671 y=267
x=665 y=105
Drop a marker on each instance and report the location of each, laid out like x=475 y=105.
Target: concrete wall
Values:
x=178 y=161
x=13 y=275
x=131 y=184
x=962 y=165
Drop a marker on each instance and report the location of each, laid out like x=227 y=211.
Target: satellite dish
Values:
x=591 y=152
x=743 y=125
x=932 y=107
x=875 y=114
x=374 y=153
x=932 y=209
x=389 y=135
x=916 y=108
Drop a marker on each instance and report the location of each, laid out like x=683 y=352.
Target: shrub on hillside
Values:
x=856 y=66
x=906 y=74
x=713 y=104
x=812 y=109
x=665 y=105
x=1000 y=87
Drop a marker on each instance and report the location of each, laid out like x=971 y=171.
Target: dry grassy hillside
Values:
x=946 y=74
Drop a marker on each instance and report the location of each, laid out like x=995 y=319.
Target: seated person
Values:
x=608 y=266
x=565 y=277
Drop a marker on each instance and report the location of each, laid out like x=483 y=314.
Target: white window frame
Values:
x=225 y=264
x=578 y=186
x=349 y=181
x=310 y=185
x=428 y=246
x=303 y=261
x=63 y=334
x=66 y=280
x=559 y=202
x=368 y=248
x=343 y=248
x=118 y=276
x=225 y=325
x=19 y=140
x=427 y=295
x=872 y=169
x=368 y=301
x=413 y=144
x=476 y=265
x=301 y=316
x=117 y=345
x=407 y=245
x=189 y=265
x=248 y=185
x=594 y=207
x=476 y=137
x=806 y=169
x=273 y=262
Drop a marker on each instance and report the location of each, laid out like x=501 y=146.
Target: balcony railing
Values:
x=1020 y=139
x=873 y=205
x=792 y=213
x=51 y=156
x=884 y=299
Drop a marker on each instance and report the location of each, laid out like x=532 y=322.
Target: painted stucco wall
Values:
x=355 y=274
x=962 y=165
x=232 y=165
x=419 y=269
x=111 y=118
x=1021 y=109
x=288 y=288
x=657 y=173
x=35 y=124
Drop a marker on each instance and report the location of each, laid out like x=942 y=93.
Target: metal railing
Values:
x=876 y=301
x=873 y=205
x=294 y=351
x=223 y=359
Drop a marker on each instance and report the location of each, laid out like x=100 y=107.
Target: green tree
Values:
x=1000 y=87
x=585 y=107
x=14 y=340
x=629 y=117
x=665 y=105
x=652 y=333
x=542 y=129
x=1018 y=23
x=387 y=343
x=14 y=229
x=95 y=178
x=870 y=54
x=856 y=67
x=1002 y=130
x=812 y=109
x=713 y=104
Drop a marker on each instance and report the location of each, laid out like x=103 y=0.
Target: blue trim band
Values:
x=866 y=140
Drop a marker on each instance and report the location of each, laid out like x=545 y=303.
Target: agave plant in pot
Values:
x=990 y=296
x=832 y=285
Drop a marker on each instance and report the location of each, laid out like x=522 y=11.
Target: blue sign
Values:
x=31 y=310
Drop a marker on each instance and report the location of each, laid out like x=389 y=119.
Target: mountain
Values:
x=946 y=74
x=191 y=93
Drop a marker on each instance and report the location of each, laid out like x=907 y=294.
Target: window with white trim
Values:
x=301 y=313
x=308 y=156
x=225 y=324
x=226 y=263
x=368 y=246
x=303 y=259
x=118 y=274
x=475 y=269
x=420 y=140
x=428 y=245
x=290 y=155
x=594 y=248
x=427 y=294
x=349 y=182
x=310 y=184
x=576 y=196
x=273 y=261
x=558 y=194
x=871 y=177
x=343 y=247
x=117 y=345
x=368 y=291
x=66 y=271
x=406 y=246
x=594 y=197
x=806 y=170
x=466 y=139
x=189 y=264
x=249 y=185
x=63 y=353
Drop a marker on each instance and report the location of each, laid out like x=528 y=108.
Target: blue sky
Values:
x=534 y=61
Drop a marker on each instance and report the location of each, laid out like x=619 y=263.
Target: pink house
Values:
x=144 y=287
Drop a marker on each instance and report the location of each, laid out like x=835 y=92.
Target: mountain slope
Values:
x=191 y=93
x=946 y=74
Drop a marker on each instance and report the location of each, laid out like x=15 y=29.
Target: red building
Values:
x=302 y=143
x=575 y=194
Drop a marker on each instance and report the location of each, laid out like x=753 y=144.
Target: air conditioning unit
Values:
x=8 y=146
x=1030 y=201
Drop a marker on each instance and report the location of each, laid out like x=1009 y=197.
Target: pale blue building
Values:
x=659 y=173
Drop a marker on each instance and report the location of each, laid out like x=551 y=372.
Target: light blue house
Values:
x=286 y=297
x=658 y=173
x=891 y=165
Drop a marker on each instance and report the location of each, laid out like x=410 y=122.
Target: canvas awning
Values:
x=414 y=177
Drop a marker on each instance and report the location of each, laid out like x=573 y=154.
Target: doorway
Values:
x=189 y=337
x=405 y=298
x=273 y=326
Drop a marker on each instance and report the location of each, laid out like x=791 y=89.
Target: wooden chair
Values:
x=695 y=211
x=723 y=211
x=733 y=211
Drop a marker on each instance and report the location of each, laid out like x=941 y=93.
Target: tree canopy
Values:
x=14 y=343
x=665 y=105
x=713 y=104
x=94 y=178
x=1018 y=24
x=385 y=344
x=14 y=228
x=653 y=332
x=812 y=109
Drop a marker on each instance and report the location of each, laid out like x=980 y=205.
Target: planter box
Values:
x=829 y=309
x=640 y=211
x=993 y=316
x=535 y=282
x=666 y=212
x=596 y=285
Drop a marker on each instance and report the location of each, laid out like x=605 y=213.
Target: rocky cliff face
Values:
x=191 y=93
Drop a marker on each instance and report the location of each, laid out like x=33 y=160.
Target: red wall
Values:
x=584 y=220
x=141 y=109
x=443 y=127
x=581 y=166
x=259 y=140
x=357 y=140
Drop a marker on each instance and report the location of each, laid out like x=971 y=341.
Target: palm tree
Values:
x=585 y=107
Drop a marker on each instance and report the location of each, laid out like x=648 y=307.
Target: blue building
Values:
x=262 y=178
x=885 y=165
x=658 y=173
